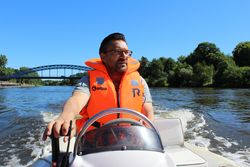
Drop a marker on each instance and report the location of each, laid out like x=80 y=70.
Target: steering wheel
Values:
x=107 y=112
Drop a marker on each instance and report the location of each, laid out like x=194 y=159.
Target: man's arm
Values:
x=148 y=111
x=71 y=108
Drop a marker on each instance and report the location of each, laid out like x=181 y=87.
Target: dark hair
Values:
x=106 y=41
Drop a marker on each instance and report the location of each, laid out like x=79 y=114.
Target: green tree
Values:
x=168 y=64
x=2 y=71
x=245 y=76
x=203 y=74
x=241 y=54
x=156 y=75
x=205 y=53
x=182 y=59
x=74 y=81
x=3 y=61
x=10 y=71
x=224 y=64
x=232 y=77
x=182 y=75
x=144 y=67
x=29 y=81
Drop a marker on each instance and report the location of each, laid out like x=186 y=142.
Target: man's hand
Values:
x=57 y=126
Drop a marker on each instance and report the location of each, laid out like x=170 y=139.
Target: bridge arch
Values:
x=46 y=67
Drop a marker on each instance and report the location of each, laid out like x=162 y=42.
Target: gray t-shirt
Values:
x=83 y=86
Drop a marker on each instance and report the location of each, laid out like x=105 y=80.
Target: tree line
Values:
x=206 y=66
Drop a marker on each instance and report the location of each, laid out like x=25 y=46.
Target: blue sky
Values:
x=35 y=33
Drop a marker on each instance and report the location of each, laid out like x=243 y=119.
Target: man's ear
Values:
x=102 y=56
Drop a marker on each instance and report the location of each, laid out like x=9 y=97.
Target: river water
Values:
x=218 y=119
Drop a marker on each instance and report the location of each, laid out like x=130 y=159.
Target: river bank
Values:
x=6 y=84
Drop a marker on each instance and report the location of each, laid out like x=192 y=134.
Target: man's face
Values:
x=116 y=56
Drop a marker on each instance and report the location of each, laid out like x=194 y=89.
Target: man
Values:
x=113 y=83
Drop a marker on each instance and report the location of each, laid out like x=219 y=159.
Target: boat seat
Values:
x=171 y=134
x=170 y=131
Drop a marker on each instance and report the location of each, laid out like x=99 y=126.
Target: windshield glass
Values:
x=122 y=137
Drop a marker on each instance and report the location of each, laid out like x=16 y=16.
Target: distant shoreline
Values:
x=5 y=84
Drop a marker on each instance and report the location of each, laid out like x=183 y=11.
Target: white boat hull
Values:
x=176 y=153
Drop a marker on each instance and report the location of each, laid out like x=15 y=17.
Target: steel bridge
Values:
x=57 y=68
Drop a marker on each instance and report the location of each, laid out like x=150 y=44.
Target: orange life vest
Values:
x=103 y=94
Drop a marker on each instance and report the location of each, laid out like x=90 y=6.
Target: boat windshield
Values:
x=122 y=137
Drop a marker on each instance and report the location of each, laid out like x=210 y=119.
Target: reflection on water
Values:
x=206 y=101
x=235 y=101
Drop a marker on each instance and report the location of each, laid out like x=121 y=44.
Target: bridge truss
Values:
x=57 y=67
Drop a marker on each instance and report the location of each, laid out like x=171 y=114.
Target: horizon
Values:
x=59 y=32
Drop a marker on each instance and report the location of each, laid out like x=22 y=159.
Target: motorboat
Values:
x=126 y=142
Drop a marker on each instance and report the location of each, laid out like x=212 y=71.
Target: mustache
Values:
x=122 y=59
